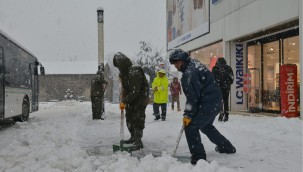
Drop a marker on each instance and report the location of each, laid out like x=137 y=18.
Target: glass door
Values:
x=265 y=57
x=254 y=71
x=271 y=66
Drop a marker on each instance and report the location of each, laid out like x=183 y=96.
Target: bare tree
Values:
x=149 y=59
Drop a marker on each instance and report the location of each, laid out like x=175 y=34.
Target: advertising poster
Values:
x=289 y=90
x=186 y=20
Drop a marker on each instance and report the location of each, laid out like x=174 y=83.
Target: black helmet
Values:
x=178 y=55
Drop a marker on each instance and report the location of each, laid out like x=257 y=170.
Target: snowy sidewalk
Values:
x=62 y=137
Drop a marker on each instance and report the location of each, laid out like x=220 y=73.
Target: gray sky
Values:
x=66 y=30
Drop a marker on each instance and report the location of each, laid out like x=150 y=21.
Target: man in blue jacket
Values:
x=203 y=103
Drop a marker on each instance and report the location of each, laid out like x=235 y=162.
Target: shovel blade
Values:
x=121 y=148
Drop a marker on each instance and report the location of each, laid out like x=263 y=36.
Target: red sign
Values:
x=213 y=62
x=289 y=90
x=246 y=82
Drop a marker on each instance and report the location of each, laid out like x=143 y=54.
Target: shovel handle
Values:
x=122 y=126
x=178 y=140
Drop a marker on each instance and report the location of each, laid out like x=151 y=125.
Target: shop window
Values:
x=271 y=66
x=208 y=55
x=254 y=86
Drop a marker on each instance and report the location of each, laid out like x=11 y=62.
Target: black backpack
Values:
x=224 y=75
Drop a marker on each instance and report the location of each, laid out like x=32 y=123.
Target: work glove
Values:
x=122 y=106
x=186 y=121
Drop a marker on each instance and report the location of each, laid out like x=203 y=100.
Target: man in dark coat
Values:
x=97 y=93
x=224 y=77
x=135 y=92
x=203 y=103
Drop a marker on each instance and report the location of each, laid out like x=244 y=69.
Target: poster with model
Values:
x=186 y=20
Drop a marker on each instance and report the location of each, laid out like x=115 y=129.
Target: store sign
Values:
x=239 y=74
x=289 y=90
x=186 y=20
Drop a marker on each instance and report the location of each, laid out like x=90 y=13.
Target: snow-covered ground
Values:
x=61 y=136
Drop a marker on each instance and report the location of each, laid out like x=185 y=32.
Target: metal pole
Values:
x=100 y=17
x=100 y=20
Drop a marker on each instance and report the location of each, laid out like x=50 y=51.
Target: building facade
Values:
x=262 y=41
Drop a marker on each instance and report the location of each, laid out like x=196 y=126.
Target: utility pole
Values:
x=100 y=20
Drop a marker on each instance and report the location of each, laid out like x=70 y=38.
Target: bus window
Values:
x=1 y=84
x=42 y=70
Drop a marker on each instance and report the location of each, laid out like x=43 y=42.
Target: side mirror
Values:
x=42 y=70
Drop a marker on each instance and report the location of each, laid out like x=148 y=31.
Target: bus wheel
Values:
x=25 y=112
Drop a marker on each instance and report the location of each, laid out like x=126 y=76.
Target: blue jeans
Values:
x=156 y=107
x=205 y=124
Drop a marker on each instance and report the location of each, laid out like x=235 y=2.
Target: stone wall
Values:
x=54 y=86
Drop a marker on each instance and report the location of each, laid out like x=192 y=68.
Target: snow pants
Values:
x=135 y=121
x=156 y=107
x=225 y=96
x=175 y=99
x=205 y=124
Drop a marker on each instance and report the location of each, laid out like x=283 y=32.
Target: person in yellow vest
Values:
x=160 y=89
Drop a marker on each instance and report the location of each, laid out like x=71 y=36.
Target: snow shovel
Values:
x=178 y=141
x=121 y=146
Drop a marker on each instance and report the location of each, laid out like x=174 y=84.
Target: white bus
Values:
x=18 y=80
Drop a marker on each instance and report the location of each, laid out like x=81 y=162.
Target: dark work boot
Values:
x=138 y=133
x=157 y=117
x=195 y=158
x=226 y=147
x=137 y=146
x=221 y=116
x=129 y=141
x=163 y=117
x=226 y=117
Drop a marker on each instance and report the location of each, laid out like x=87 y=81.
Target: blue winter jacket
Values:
x=201 y=90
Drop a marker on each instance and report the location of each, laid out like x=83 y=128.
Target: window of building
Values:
x=208 y=55
x=265 y=57
x=271 y=66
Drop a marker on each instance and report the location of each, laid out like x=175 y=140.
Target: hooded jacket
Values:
x=161 y=95
x=97 y=89
x=203 y=96
x=135 y=88
x=223 y=74
x=175 y=87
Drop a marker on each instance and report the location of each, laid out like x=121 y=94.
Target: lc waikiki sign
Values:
x=238 y=97
x=239 y=73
